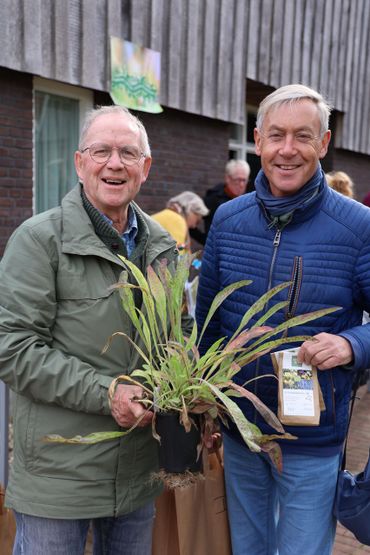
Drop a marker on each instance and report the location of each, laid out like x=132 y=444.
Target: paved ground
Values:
x=357 y=454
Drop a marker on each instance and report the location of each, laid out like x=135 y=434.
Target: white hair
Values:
x=233 y=165
x=189 y=202
x=290 y=94
x=92 y=115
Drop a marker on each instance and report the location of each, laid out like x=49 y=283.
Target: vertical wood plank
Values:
x=265 y=36
x=286 y=52
x=277 y=43
x=296 y=56
x=307 y=34
x=255 y=11
x=239 y=54
x=224 y=58
x=209 y=49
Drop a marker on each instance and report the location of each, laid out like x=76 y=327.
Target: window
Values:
x=58 y=113
x=241 y=144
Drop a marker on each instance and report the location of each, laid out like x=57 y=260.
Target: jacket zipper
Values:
x=275 y=243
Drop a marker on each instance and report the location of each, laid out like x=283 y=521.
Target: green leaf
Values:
x=159 y=295
x=297 y=321
x=95 y=437
x=146 y=294
x=136 y=347
x=273 y=450
x=270 y=417
x=250 y=355
x=246 y=428
x=259 y=305
x=219 y=299
x=269 y=313
x=244 y=337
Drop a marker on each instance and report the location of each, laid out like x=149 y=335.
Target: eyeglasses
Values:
x=239 y=179
x=100 y=153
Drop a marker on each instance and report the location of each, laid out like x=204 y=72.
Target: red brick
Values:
x=15 y=152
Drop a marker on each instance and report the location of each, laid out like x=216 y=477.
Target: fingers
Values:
x=126 y=407
x=326 y=351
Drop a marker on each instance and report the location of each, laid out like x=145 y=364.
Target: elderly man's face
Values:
x=237 y=181
x=112 y=185
x=290 y=146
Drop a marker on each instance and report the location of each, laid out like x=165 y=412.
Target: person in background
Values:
x=236 y=178
x=293 y=228
x=183 y=212
x=58 y=307
x=341 y=182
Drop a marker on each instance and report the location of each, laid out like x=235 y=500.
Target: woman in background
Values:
x=341 y=182
x=183 y=212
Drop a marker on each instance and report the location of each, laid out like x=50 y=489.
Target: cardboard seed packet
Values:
x=299 y=390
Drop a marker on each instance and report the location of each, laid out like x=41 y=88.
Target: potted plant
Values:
x=195 y=389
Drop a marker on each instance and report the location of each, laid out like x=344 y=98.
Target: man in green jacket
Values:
x=57 y=310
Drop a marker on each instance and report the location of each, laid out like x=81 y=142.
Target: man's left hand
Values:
x=326 y=351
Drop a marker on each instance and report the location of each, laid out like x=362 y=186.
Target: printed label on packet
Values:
x=299 y=390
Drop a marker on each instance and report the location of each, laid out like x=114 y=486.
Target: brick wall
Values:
x=189 y=154
x=357 y=166
x=15 y=151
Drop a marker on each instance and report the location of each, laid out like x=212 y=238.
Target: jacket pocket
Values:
x=69 y=461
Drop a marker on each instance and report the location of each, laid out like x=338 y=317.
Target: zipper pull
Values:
x=277 y=238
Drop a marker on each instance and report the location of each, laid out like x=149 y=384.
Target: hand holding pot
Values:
x=126 y=407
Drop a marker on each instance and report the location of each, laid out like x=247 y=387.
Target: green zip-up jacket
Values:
x=57 y=310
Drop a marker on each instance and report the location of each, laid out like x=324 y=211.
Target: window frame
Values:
x=243 y=147
x=86 y=103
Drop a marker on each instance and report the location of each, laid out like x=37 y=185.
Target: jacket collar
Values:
x=79 y=237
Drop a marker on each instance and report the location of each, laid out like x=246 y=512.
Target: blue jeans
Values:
x=129 y=534
x=279 y=514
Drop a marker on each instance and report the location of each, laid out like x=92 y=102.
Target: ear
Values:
x=146 y=168
x=78 y=163
x=324 y=144
x=257 y=141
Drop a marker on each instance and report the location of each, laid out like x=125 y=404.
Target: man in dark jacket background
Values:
x=235 y=184
x=292 y=228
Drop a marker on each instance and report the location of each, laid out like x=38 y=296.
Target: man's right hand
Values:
x=126 y=410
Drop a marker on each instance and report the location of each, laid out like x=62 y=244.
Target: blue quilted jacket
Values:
x=325 y=252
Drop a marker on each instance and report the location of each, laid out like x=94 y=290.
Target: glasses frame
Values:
x=118 y=148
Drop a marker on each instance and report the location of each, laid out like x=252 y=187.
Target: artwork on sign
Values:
x=135 y=76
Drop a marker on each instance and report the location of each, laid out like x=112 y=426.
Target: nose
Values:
x=288 y=146
x=115 y=159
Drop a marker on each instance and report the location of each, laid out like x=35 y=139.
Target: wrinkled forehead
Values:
x=301 y=112
x=113 y=127
x=238 y=173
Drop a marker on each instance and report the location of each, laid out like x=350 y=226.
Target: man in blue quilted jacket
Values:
x=292 y=228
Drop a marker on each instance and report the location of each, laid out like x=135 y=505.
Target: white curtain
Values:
x=56 y=136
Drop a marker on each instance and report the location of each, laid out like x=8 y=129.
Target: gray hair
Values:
x=291 y=94
x=92 y=115
x=189 y=202
x=233 y=165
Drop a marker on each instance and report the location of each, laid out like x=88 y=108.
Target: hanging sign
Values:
x=135 y=76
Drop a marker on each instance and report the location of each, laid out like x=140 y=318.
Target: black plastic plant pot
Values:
x=178 y=448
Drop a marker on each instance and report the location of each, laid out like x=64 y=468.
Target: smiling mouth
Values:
x=286 y=167
x=114 y=181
